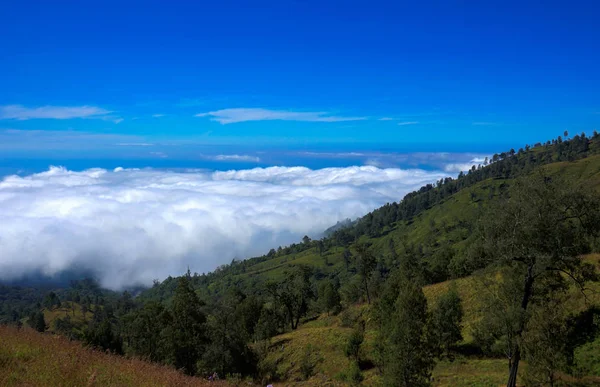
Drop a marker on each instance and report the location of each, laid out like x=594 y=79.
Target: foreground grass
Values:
x=28 y=358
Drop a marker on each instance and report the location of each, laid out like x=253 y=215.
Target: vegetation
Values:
x=470 y=276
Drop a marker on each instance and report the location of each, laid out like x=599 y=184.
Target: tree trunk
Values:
x=512 y=375
x=514 y=368
x=367 y=291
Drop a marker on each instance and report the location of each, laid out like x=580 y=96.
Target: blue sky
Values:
x=414 y=76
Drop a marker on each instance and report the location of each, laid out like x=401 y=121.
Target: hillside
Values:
x=435 y=222
x=327 y=335
x=289 y=316
x=28 y=358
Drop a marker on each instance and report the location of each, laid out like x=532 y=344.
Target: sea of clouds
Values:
x=131 y=226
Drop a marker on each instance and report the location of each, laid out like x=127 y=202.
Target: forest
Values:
x=510 y=248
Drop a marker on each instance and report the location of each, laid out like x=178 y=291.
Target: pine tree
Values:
x=186 y=335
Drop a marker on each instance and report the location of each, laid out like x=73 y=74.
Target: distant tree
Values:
x=446 y=322
x=293 y=293
x=566 y=134
x=37 y=321
x=365 y=263
x=51 y=300
x=347 y=257
x=329 y=297
x=306 y=240
x=320 y=247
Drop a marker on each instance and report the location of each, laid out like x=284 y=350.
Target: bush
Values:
x=309 y=362
x=351 y=375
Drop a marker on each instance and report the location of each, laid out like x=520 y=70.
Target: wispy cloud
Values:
x=385 y=119
x=20 y=112
x=230 y=116
x=242 y=158
x=408 y=123
x=158 y=115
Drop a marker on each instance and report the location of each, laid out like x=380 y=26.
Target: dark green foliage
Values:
x=144 y=331
x=446 y=322
x=101 y=335
x=37 y=322
x=293 y=294
x=355 y=340
x=186 y=334
x=51 y=301
x=365 y=264
x=352 y=375
x=537 y=235
x=402 y=351
x=329 y=297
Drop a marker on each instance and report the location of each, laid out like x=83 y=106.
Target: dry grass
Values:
x=28 y=358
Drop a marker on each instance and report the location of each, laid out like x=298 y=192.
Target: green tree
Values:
x=539 y=234
x=545 y=343
x=37 y=322
x=446 y=320
x=354 y=343
x=293 y=293
x=402 y=351
x=365 y=263
x=186 y=334
x=329 y=297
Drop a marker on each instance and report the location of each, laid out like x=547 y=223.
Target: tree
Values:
x=293 y=293
x=37 y=321
x=446 y=319
x=538 y=234
x=347 y=256
x=545 y=343
x=186 y=334
x=144 y=331
x=329 y=297
x=320 y=247
x=402 y=351
x=354 y=342
x=365 y=263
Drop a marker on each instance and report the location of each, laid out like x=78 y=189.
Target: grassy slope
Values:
x=28 y=358
x=328 y=335
x=440 y=222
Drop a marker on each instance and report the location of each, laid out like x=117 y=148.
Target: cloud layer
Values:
x=230 y=116
x=20 y=112
x=132 y=226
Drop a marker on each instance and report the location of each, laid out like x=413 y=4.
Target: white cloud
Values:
x=243 y=158
x=230 y=116
x=408 y=123
x=131 y=226
x=20 y=112
x=158 y=115
x=385 y=119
